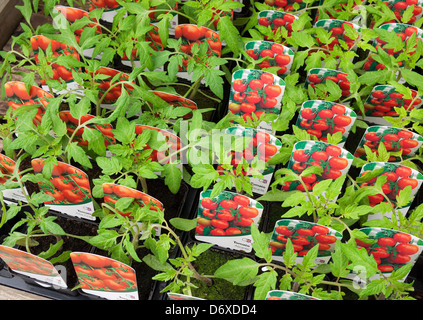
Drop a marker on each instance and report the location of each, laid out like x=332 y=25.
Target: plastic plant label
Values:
x=279 y=57
x=73 y=15
x=334 y=160
x=72 y=124
x=42 y=45
x=110 y=8
x=304 y=236
x=398 y=177
x=177 y=101
x=391 y=249
x=110 y=91
x=287 y=295
x=338 y=84
x=32 y=266
x=321 y=118
x=226 y=220
x=12 y=192
x=256 y=92
x=18 y=97
x=276 y=19
x=286 y=5
x=69 y=188
x=105 y=277
x=261 y=147
x=402 y=30
x=204 y=41
x=400 y=143
x=398 y=7
x=181 y=297
x=166 y=146
x=382 y=102
x=155 y=43
x=114 y=192
x=344 y=33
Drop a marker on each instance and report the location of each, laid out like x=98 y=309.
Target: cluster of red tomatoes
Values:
x=72 y=123
x=59 y=72
x=321 y=122
x=192 y=34
x=277 y=21
x=382 y=104
x=17 y=96
x=393 y=140
x=114 y=192
x=22 y=261
x=285 y=5
x=276 y=54
x=328 y=157
x=398 y=178
x=100 y=273
x=257 y=95
x=107 y=4
x=67 y=183
x=303 y=238
x=371 y=63
x=338 y=33
x=391 y=250
x=340 y=78
x=110 y=91
x=229 y=216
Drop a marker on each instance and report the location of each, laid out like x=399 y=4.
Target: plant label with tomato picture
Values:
x=258 y=148
x=277 y=56
x=41 y=45
x=226 y=220
x=192 y=35
x=73 y=15
x=337 y=83
x=166 y=146
x=277 y=20
x=399 y=143
x=177 y=101
x=382 y=102
x=344 y=33
x=10 y=188
x=321 y=118
x=111 y=82
x=18 y=97
x=334 y=160
x=110 y=9
x=303 y=236
x=387 y=31
x=286 y=5
x=398 y=178
x=287 y=295
x=113 y=193
x=391 y=249
x=69 y=189
x=256 y=92
x=399 y=7
x=32 y=266
x=105 y=277
x=105 y=130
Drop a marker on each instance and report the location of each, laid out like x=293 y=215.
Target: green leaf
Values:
x=239 y=271
x=184 y=224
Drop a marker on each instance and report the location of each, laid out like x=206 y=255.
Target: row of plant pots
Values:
x=244 y=99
